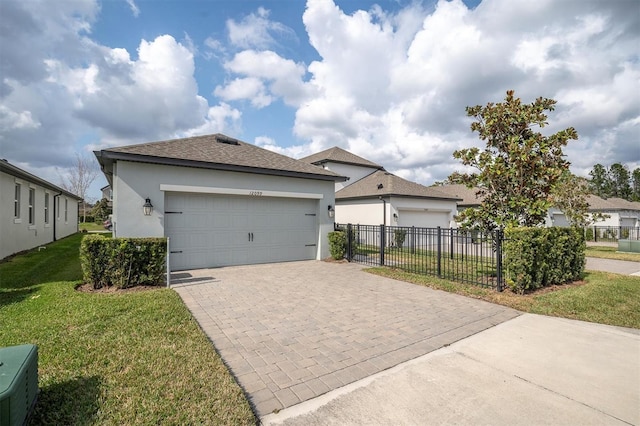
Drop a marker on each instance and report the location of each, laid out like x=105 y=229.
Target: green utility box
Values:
x=18 y=383
x=629 y=246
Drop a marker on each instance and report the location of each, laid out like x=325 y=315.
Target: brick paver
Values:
x=293 y=331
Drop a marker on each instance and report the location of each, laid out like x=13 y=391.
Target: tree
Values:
x=101 y=210
x=518 y=168
x=599 y=183
x=80 y=177
x=619 y=181
x=570 y=194
x=635 y=185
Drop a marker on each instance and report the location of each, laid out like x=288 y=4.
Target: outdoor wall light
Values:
x=395 y=217
x=147 y=207
x=331 y=211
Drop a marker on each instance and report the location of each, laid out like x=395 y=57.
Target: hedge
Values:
x=337 y=244
x=123 y=262
x=539 y=257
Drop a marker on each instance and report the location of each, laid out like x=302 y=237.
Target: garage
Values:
x=221 y=201
x=423 y=218
x=207 y=230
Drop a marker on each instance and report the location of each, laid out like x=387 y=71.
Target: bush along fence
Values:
x=470 y=256
x=123 y=262
x=611 y=234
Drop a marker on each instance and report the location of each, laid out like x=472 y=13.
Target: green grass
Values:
x=604 y=298
x=606 y=252
x=127 y=358
x=91 y=226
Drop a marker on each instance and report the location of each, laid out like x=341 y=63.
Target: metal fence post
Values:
x=499 y=236
x=595 y=234
x=168 y=267
x=413 y=240
x=451 y=243
x=439 y=252
x=382 y=243
x=349 y=242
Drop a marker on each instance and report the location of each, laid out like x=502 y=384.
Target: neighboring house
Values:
x=343 y=163
x=107 y=194
x=33 y=211
x=467 y=196
x=373 y=196
x=619 y=212
x=221 y=201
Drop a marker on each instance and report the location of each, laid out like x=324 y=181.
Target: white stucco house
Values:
x=220 y=201
x=373 y=196
x=33 y=211
x=618 y=212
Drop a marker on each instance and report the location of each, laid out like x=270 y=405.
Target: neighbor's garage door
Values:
x=423 y=219
x=219 y=230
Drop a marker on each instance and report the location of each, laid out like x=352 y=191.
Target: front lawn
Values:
x=603 y=297
x=91 y=226
x=127 y=358
x=606 y=252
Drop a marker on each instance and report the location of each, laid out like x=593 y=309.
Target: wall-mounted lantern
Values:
x=395 y=217
x=331 y=211
x=147 y=207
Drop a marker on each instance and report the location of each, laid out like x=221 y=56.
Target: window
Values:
x=46 y=207
x=16 y=202
x=66 y=210
x=32 y=202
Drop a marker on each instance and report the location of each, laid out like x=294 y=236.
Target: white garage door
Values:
x=220 y=230
x=423 y=219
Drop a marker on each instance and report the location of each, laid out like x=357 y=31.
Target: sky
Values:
x=386 y=80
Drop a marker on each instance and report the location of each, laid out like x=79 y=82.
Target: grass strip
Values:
x=602 y=297
x=119 y=358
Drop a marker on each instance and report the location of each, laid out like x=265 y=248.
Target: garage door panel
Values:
x=217 y=230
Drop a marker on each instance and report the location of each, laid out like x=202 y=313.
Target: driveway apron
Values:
x=293 y=331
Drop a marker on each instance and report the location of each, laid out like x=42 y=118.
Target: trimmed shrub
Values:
x=539 y=257
x=589 y=234
x=399 y=235
x=337 y=244
x=122 y=262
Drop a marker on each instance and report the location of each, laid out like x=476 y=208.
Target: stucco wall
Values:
x=16 y=234
x=354 y=173
x=133 y=182
x=370 y=211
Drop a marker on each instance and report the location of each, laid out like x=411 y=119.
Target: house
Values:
x=617 y=211
x=33 y=211
x=107 y=194
x=373 y=196
x=220 y=201
x=344 y=163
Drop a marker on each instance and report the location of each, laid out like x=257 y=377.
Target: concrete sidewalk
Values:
x=529 y=370
x=623 y=267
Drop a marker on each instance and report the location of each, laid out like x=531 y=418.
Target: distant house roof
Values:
x=467 y=195
x=611 y=204
x=382 y=183
x=12 y=170
x=339 y=155
x=218 y=152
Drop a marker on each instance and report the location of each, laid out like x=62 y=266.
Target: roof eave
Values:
x=12 y=170
x=167 y=161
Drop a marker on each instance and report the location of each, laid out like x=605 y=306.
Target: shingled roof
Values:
x=339 y=155
x=382 y=183
x=468 y=195
x=219 y=152
x=12 y=170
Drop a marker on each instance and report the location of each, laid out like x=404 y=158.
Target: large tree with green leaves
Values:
x=635 y=185
x=599 y=183
x=619 y=178
x=519 y=166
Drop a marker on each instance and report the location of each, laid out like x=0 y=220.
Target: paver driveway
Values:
x=292 y=331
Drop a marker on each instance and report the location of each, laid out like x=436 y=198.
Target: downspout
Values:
x=55 y=215
x=384 y=211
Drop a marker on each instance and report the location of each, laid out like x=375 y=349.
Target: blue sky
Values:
x=387 y=80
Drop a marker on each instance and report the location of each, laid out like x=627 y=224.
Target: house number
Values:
x=255 y=193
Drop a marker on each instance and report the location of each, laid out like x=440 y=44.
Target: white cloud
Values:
x=134 y=8
x=255 y=30
x=245 y=88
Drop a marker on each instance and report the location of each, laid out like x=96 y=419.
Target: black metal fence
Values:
x=452 y=254
x=611 y=234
